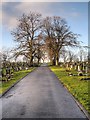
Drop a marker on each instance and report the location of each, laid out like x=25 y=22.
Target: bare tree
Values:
x=39 y=48
x=64 y=54
x=48 y=37
x=58 y=35
x=83 y=53
x=71 y=56
x=31 y=38
x=5 y=56
x=26 y=35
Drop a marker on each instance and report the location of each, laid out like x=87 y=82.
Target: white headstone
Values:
x=83 y=67
x=79 y=68
x=75 y=66
x=67 y=65
x=86 y=69
x=71 y=66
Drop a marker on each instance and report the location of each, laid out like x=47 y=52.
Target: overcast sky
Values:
x=75 y=13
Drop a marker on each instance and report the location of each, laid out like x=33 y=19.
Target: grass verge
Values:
x=77 y=87
x=17 y=76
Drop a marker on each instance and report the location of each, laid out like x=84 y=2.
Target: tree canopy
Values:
x=35 y=35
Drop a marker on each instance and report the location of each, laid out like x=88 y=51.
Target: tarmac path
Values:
x=40 y=95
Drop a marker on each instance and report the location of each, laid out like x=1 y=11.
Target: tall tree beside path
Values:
x=34 y=33
x=58 y=34
x=26 y=34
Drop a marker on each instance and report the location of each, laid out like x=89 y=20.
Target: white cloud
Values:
x=11 y=11
x=8 y=21
x=34 y=7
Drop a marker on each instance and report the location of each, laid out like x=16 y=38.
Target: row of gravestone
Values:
x=80 y=67
x=8 y=69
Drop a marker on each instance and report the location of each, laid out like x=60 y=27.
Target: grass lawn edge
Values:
x=16 y=83
x=73 y=97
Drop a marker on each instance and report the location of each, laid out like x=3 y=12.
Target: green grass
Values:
x=77 y=87
x=17 y=76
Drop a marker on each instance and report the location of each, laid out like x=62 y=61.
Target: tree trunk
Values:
x=51 y=61
x=57 y=60
x=38 y=61
x=31 y=61
x=54 y=61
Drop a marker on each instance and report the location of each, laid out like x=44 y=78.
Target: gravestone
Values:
x=67 y=65
x=79 y=68
x=86 y=70
x=80 y=73
x=75 y=66
x=83 y=66
x=71 y=66
x=26 y=68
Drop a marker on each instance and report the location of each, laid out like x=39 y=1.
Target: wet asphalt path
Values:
x=39 y=95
